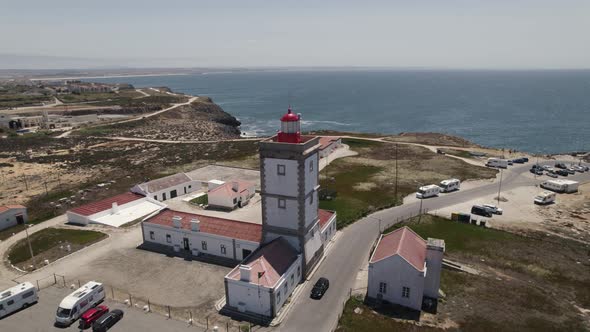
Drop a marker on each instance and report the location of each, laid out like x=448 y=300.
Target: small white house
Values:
x=404 y=269
x=231 y=194
x=262 y=283
x=199 y=234
x=12 y=215
x=167 y=187
x=329 y=144
x=327 y=220
x=114 y=211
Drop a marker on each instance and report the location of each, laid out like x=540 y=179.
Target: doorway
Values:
x=173 y=194
x=186 y=244
x=20 y=220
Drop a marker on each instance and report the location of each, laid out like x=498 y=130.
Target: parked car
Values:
x=493 y=209
x=91 y=315
x=480 y=211
x=560 y=165
x=107 y=321
x=579 y=169
x=510 y=162
x=570 y=170
x=561 y=172
x=525 y=159
x=551 y=174
x=320 y=288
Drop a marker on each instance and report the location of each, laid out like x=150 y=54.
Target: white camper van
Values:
x=428 y=191
x=561 y=186
x=449 y=185
x=17 y=297
x=75 y=304
x=544 y=198
x=497 y=162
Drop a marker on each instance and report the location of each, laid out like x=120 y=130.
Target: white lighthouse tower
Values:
x=289 y=190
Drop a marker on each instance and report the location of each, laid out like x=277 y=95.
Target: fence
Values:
x=185 y=314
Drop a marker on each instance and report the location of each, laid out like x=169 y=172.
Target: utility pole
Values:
x=396 y=169
x=26 y=184
x=420 y=212
x=30 y=247
x=500 y=187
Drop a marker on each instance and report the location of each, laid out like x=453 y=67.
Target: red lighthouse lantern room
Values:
x=290 y=128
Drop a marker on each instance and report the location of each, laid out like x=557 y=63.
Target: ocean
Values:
x=532 y=111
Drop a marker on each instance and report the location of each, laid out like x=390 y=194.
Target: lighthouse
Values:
x=290 y=128
x=289 y=182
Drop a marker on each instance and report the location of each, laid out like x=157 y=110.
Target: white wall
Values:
x=194 y=186
x=433 y=269
x=397 y=273
x=8 y=218
x=256 y=299
x=285 y=286
x=313 y=242
x=311 y=175
x=329 y=230
x=77 y=219
x=213 y=241
x=311 y=208
x=287 y=217
x=221 y=199
x=281 y=184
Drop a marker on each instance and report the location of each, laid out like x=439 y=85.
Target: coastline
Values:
x=105 y=76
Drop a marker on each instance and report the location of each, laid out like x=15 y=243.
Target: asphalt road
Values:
x=352 y=249
x=41 y=316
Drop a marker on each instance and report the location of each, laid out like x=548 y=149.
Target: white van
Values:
x=497 y=162
x=449 y=185
x=428 y=191
x=17 y=297
x=561 y=186
x=544 y=198
x=75 y=304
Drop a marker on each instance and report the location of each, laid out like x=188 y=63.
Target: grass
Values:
x=204 y=200
x=528 y=282
x=458 y=153
x=49 y=238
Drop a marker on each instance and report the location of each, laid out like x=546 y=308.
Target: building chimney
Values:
x=235 y=186
x=195 y=225
x=176 y=221
x=115 y=208
x=245 y=272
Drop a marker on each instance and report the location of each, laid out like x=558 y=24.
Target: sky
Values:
x=462 y=34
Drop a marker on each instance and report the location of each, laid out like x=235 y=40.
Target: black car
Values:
x=561 y=172
x=107 y=321
x=525 y=159
x=481 y=211
x=320 y=288
x=518 y=161
x=561 y=165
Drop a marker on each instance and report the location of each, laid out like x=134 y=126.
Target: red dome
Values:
x=290 y=117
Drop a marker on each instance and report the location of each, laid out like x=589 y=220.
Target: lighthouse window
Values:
x=311 y=166
x=282 y=203
x=281 y=169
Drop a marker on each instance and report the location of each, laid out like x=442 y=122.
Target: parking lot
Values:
x=41 y=316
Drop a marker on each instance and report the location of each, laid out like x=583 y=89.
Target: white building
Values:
x=199 y=234
x=12 y=215
x=114 y=211
x=231 y=194
x=262 y=283
x=329 y=144
x=404 y=269
x=167 y=187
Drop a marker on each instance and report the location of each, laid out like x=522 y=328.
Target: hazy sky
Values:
x=395 y=33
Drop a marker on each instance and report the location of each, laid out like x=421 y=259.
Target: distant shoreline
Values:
x=105 y=76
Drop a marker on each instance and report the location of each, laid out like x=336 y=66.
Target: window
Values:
x=204 y=245
x=298 y=271
x=190 y=186
x=223 y=249
x=311 y=199
x=155 y=197
x=406 y=292
x=281 y=169
x=282 y=203
x=28 y=294
x=83 y=304
x=383 y=287
x=235 y=200
x=152 y=235
x=278 y=297
x=168 y=238
x=10 y=302
x=311 y=166
x=164 y=196
x=1 y=307
x=286 y=288
x=292 y=279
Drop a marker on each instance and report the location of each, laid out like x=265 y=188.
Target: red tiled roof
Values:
x=5 y=208
x=227 y=189
x=212 y=225
x=325 y=141
x=324 y=216
x=96 y=207
x=274 y=259
x=404 y=242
